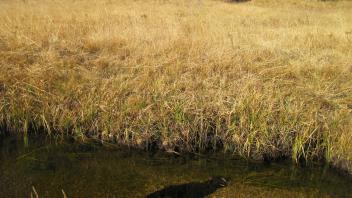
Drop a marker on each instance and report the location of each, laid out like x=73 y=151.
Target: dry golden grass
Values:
x=264 y=78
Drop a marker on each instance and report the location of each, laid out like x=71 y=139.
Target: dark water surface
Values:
x=52 y=169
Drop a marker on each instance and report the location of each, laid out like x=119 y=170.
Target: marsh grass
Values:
x=263 y=79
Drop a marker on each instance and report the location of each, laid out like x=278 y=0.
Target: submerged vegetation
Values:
x=262 y=79
x=88 y=169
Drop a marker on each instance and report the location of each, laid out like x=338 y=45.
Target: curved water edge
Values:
x=50 y=168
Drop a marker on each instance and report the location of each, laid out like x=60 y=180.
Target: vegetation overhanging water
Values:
x=53 y=168
x=264 y=78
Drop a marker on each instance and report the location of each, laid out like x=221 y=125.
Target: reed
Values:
x=263 y=79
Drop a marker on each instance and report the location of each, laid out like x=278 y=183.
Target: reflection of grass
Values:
x=260 y=79
x=89 y=170
x=273 y=179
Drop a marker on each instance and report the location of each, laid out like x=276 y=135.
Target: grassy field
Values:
x=263 y=79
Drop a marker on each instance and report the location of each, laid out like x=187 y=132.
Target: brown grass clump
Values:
x=259 y=79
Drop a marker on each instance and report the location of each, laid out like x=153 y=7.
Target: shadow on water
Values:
x=237 y=1
x=191 y=190
x=93 y=170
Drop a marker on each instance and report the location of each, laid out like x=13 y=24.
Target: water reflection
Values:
x=90 y=170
